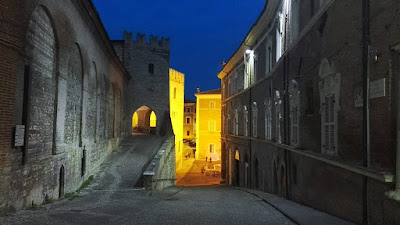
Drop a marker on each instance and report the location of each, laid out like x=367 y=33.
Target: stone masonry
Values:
x=62 y=80
x=148 y=64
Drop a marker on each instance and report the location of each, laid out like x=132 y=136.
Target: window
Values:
x=295 y=20
x=329 y=123
x=279 y=34
x=278 y=117
x=212 y=104
x=246 y=75
x=188 y=109
x=151 y=68
x=255 y=69
x=329 y=105
x=294 y=104
x=310 y=100
x=268 y=62
x=229 y=87
x=268 y=119
x=187 y=120
x=236 y=127
x=236 y=83
x=174 y=93
x=254 y=119
x=212 y=148
x=246 y=121
x=229 y=124
x=212 y=126
x=187 y=133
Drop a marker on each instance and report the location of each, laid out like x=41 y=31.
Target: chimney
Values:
x=198 y=90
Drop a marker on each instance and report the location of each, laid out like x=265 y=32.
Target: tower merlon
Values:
x=128 y=36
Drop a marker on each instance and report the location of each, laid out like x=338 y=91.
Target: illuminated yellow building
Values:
x=208 y=125
x=176 y=96
x=189 y=121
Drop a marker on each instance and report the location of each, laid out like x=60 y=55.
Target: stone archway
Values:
x=144 y=121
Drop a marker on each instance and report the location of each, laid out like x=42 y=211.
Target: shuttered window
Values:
x=329 y=124
x=278 y=122
x=246 y=121
x=267 y=121
x=254 y=119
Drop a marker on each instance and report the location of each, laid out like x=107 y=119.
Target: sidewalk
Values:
x=299 y=214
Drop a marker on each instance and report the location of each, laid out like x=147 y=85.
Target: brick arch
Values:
x=74 y=97
x=40 y=81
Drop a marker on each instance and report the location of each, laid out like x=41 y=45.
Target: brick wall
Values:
x=75 y=101
x=335 y=35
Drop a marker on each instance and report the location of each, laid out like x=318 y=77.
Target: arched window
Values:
x=294 y=101
x=329 y=100
x=153 y=119
x=254 y=118
x=246 y=121
x=268 y=119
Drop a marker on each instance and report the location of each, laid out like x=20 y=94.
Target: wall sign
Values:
x=377 y=89
x=19 y=135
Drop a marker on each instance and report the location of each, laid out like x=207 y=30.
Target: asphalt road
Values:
x=112 y=199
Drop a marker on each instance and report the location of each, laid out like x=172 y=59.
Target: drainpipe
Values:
x=395 y=195
x=398 y=143
x=366 y=80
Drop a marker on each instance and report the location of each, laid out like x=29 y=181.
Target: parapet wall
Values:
x=161 y=171
x=153 y=42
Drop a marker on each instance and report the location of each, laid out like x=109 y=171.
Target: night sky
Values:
x=203 y=33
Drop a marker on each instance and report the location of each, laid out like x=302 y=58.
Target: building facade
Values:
x=208 y=125
x=62 y=99
x=189 y=121
x=177 y=92
x=295 y=119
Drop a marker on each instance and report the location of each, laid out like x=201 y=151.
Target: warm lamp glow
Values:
x=153 y=119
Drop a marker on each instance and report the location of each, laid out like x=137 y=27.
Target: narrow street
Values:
x=112 y=198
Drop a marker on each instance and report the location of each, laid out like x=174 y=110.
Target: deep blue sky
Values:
x=203 y=33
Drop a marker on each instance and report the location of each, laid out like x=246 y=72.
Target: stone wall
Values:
x=161 y=171
x=64 y=82
x=148 y=87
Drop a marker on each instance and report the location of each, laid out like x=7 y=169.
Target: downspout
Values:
x=366 y=80
x=395 y=194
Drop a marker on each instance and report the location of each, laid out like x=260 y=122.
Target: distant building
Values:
x=189 y=120
x=176 y=95
x=292 y=107
x=208 y=125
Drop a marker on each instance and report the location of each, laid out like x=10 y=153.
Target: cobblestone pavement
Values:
x=188 y=205
x=111 y=199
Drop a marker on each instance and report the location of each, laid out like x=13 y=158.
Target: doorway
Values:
x=61 y=183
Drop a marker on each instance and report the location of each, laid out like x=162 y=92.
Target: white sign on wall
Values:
x=19 y=135
x=377 y=89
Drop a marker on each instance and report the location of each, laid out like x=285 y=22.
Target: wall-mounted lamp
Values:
x=248 y=51
x=374 y=56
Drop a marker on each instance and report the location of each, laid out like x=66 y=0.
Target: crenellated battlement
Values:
x=154 y=41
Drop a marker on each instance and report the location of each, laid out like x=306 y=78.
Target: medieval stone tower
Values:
x=148 y=64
